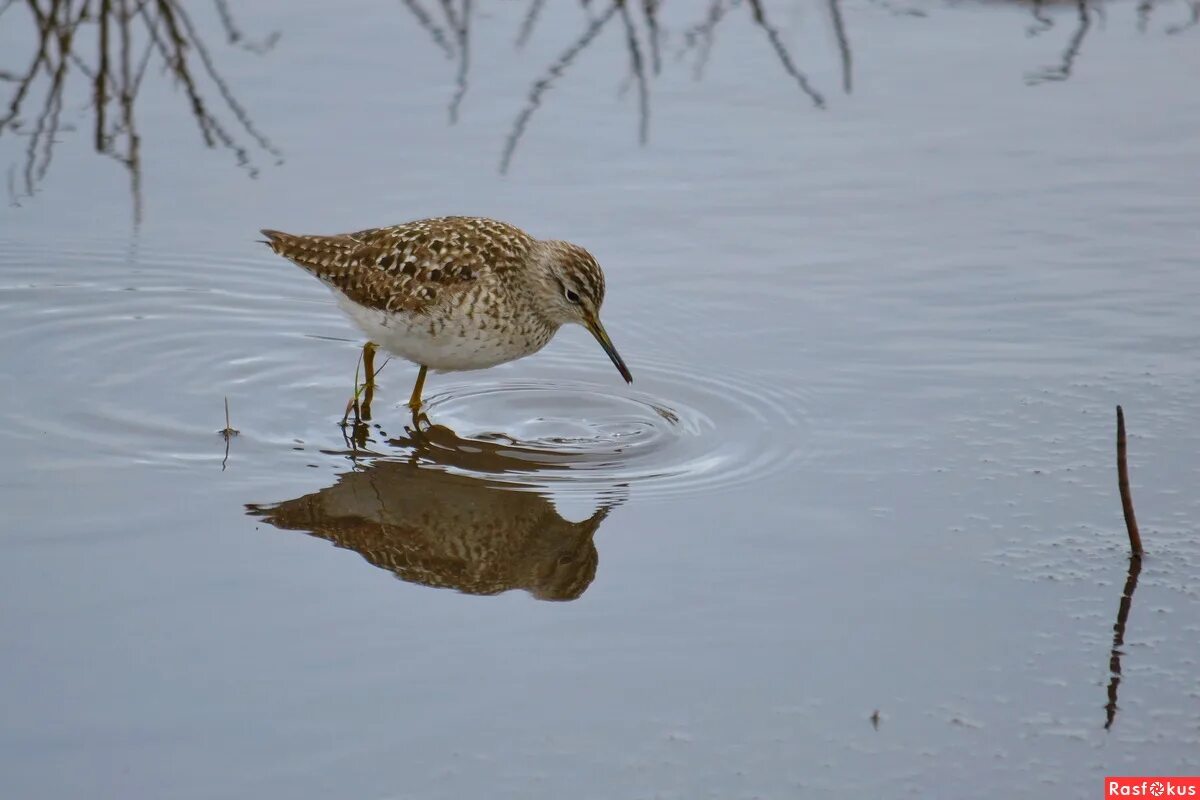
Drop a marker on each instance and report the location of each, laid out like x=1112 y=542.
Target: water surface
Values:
x=881 y=272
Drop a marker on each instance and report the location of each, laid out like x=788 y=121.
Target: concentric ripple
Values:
x=683 y=433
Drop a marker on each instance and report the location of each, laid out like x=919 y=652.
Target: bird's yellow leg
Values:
x=365 y=358
x=368 y=354
x=414 y=402
x=352 y=403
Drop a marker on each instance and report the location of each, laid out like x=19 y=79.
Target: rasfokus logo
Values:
x=1147 y=786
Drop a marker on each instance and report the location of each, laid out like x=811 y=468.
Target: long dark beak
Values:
x=593 y=325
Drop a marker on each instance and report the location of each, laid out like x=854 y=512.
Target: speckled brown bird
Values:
x=455 y=293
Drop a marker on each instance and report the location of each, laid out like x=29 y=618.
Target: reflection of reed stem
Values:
x=1114 y=659
x=1131 y=526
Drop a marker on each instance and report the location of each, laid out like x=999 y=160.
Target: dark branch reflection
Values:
x=1084 y=12
x=527 y=24
x=542 y=85
x=650 y=10
x=461 y=23
x=1193 y=19
x=1041 y=22
x=412 y=517
x=112 y=45
x=760 y=19
x=107 y=47
x=639 y=73
x=1114 y=659
x=426 y=22
x=699 y=36
x=234 y=33
x=843 y=42
x=1062 y=71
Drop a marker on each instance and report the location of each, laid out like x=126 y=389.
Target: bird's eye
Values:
x=572 y=297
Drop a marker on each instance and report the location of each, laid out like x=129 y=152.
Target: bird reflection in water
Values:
x=445 y=529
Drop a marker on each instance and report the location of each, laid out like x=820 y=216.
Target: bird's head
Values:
x=570 y=288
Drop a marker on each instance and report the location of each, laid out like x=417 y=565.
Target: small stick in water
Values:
x=227 y=433
x=1135 y=539
x=352 y=403
x=366 y=362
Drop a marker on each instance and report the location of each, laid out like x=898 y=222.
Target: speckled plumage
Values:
x=455 y=293
x=416 y=266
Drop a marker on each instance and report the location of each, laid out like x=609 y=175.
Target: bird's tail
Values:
x=280 y=243
x=320 y=255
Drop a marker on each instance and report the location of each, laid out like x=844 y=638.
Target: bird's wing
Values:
x=402 y=268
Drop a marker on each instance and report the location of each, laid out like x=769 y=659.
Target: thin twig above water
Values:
x=227 y=433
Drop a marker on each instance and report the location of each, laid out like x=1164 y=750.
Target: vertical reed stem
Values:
x=1135 y=539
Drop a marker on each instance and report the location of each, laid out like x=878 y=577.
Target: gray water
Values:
x=853 y=530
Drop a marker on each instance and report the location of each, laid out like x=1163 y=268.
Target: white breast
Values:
x=448 y=343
